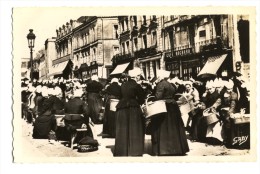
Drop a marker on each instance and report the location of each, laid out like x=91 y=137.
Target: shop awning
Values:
x=120 y=68
x=212 y=65
x=58 y=68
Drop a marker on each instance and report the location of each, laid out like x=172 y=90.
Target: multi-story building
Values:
x=190 y=42
x=50 y=55
x=95 y=41
x=42 y=65
x=140 y=45
x=25 y=72
x=186 y=45
x=62 y=65
x=201 y=44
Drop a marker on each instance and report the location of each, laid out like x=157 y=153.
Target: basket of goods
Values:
x=60 y=120
x=239 y=118
x=113 y=103
x=185 y=106
x=152 y=108
x=210 y=116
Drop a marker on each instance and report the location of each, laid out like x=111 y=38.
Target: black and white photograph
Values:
x=134 y=84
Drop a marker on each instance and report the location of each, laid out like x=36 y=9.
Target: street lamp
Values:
x=31 y=37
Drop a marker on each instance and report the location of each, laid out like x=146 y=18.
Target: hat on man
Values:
x=134 y=72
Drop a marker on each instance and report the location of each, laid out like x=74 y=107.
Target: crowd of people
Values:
x=118 y=106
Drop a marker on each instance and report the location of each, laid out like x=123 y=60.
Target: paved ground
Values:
x=44 y=148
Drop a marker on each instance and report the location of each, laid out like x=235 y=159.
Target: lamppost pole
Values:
x=31 y=60
x=31 y=38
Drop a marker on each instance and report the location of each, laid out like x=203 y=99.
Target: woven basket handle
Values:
x=149 y=97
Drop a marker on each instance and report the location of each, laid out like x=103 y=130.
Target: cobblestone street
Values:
x=44 y=148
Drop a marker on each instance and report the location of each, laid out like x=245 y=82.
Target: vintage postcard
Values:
x=143 y=84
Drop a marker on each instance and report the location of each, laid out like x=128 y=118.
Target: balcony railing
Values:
x=180 y=51
x=146 y=52
x=210 y=44
x=121 y=57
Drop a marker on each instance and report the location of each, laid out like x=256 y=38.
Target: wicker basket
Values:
x=60 y=121
x=113 y=103
x=153 y=108
x=210 y=117
x=240 y=119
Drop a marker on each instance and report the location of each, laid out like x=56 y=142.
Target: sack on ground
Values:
x=87 y=144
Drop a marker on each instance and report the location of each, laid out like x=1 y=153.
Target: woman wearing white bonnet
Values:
x=94 y=77
x=228 y=107
x=167 y=129
x=129 y=139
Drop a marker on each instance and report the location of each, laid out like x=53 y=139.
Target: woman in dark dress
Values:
x=45 y=122
x=129 y=139
x=168 y=132
x=94 y=98
x=113 y=91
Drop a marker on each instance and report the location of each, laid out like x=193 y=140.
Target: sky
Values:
x=44 y=22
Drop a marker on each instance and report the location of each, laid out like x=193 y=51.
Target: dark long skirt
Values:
x=95 y=103
x=129 y=132
x=109 y=122
x=43 y=125
x=168 y=133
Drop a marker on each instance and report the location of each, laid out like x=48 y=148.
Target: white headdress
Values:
x=134 y=72
x=94 y=78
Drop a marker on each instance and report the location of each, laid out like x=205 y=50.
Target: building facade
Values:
x=25 y=71
x=140 y=45
x=50 y=56
x=62 y=65
x=95 y=41
x=191 y=41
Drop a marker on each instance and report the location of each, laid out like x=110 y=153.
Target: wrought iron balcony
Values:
x=210 y=44
x=179 y=51
x=121 y=57
x=146 y=52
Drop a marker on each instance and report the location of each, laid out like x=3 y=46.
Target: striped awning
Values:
x=120 y=68
x=212 y=65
